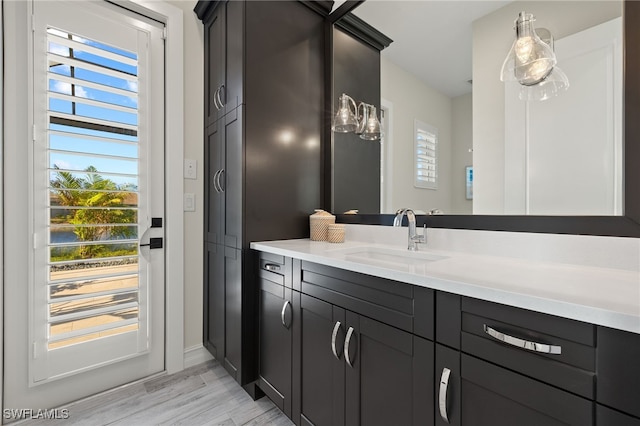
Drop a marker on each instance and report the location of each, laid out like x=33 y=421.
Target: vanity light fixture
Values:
x=349 y=118
x=532 y=62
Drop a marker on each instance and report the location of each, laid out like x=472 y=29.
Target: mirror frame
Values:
x=627 y=225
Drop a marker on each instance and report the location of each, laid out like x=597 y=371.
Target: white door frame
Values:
x=172 y=17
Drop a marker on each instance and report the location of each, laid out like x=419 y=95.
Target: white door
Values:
x=84 y=300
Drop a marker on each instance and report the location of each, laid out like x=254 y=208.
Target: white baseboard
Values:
x=195 y=355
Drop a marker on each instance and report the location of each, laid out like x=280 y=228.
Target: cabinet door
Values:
x=447 y=386
x=233 y=311
x=214 y=287
x=231 y=179
x=491 y=395
x=605 y=416
x=276 y=317
x=214 y=156
x=319 y=379
x=214 y=67
x=386 y=373
x=619 y=370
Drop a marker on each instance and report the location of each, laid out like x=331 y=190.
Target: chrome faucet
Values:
x=414 y=238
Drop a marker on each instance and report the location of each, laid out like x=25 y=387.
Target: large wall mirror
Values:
x=557 y=165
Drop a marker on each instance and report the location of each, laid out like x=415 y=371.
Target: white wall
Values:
x=492 y=38
x=414 y=100
x=461 y=156
x=193 y=149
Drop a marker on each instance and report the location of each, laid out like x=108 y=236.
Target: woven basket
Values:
x=319 y=225
x=335 y=233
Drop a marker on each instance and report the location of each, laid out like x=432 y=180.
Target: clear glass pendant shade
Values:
x=530 y=60
x=555 y=83
x=371 y=125
x=345 y=120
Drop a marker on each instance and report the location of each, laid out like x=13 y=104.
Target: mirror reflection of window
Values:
x=426 y=155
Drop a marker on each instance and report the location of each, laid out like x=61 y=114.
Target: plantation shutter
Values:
x=89 y=272
x=426 y=155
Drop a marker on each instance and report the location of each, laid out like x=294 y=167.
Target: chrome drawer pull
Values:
x=334 y=336
x=347 y=343
x=271 y=267
x=442 y=394
x=524 y=344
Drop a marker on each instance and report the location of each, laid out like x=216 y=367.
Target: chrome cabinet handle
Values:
x=347 y=342
x=442 y=394
x=334 y=336
x=524 y=344
x=216 y=96
x=271 y=267
x=220 y=180
x=219 y=96
x=215 y=181
x=282 y=314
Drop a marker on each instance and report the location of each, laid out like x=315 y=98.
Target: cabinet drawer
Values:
x=275 y=268
x=537 y=345
x=498 y=397
x=394 y=303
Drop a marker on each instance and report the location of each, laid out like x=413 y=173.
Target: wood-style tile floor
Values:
x=201 y=395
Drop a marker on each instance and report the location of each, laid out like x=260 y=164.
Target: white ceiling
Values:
x=431 y=39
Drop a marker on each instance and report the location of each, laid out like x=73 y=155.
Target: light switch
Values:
x=190 y=167
x=189 y=202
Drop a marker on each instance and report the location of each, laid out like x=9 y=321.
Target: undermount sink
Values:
x=398 y=258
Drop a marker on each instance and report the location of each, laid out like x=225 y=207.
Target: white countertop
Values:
x=598 y=295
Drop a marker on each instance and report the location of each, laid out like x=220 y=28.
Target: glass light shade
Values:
x=345 y=120
x=362 y=118
x=530 y=59
x=372 y=128
x=553 y=84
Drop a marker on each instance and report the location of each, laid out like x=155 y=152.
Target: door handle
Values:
x=219 y=96
x=347 y=343
x=220 y=180
x=215 y=99
x=524 y=344
x=154 y=243
x=334 y=336
x=442 y=394
x=283 y=314
x=215 y=181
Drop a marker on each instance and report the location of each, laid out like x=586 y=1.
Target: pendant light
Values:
x=532 y=62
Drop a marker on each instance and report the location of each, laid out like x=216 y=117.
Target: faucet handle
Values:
x=420 y=238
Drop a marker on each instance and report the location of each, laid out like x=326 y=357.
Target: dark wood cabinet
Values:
x=276 y=316
x=224 y=58
x=223 y=189
x=214 y=298
x=356 y=366
x=618 y=366
x=319 y=387
x=491 y=395
x=385 y=374
x=473 y=392
x=263 y=98
x=606 y=416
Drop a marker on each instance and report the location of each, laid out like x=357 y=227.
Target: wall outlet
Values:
x=190 y=171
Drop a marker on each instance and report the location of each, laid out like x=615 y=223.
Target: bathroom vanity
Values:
x=370 y=333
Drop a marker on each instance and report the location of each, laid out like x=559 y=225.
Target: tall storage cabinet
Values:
x=263 y=99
